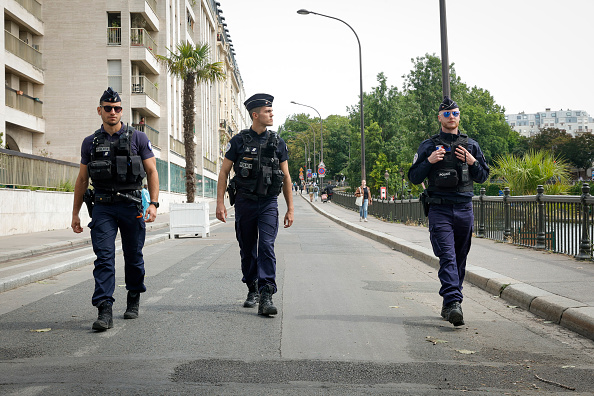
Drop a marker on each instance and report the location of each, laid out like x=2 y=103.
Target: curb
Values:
x=52 y=247
x=570 y=314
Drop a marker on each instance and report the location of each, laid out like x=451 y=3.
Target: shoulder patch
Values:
x=150 y=146
x=416 y=158
x=228 y=147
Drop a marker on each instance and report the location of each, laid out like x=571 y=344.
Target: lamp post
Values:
x=306 y=12
x=445 y=61
x=387 y=177
x=321 y=127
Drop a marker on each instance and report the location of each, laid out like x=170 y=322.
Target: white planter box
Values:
x=189 y=218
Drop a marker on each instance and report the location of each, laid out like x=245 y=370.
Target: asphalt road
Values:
x=355 y=318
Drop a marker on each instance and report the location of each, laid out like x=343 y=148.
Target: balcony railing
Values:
x=21 y=49
x=114 y=36
x=24 y=103
x=141 y=38
x=177 y=146
x=210 y=165
x=151 y=132
x=142 y=85
x=19 y=169
x=32 y=6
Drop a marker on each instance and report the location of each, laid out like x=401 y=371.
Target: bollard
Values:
x=481 y=225
x=506 y=214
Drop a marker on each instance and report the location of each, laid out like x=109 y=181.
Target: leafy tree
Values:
x=549 y=139
x=192 y=65
x=580 y=152
x=523 y=174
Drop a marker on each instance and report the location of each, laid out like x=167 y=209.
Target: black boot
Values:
x=253 y=296
x=105 y=319
x=453 y=313
x=133 y=304
x=266 y=307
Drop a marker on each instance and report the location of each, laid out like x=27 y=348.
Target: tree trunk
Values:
x=190 y=146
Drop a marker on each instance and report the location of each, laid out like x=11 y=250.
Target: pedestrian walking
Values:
x=316 y=191
x=259 y=158
x=301 y=188
x=116 y=158
x=310 y=191
x=363 y=191
x=451 y=161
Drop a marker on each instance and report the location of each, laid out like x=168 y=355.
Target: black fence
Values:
x=559 y=223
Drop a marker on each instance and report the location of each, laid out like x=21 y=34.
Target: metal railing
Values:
x=151 y=132
x=210 y=165
x=142 y=85
x=558 y=223
x=24 y=103
x=177 y=146
x=26 y=170
x=139 y=37
x=32 y=6
x=114 y=36
x=21 y=49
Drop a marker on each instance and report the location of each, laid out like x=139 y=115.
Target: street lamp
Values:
x=321 y=127
x=387 y=177
x=445 y=61
x=306 y=12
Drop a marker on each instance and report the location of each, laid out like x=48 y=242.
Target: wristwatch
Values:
x=154 y=203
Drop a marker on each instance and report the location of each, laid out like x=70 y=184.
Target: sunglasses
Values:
x=108 y=109
x=446 y=114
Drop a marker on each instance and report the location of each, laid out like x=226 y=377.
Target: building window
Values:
x=114 y=74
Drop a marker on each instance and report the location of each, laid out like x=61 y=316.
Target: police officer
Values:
x=116 y=159
x=258 y=157
x=452 y=162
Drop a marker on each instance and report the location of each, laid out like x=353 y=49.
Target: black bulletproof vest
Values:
x=114 y=167
x=450 y=174
x=257 y=170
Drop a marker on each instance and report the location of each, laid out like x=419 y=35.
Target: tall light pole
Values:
x=445 y=61
x=321 y=128
x=306 y=12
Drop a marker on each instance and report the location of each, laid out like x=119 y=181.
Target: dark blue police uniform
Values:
x=450 y=212
x=107 y=218
x=256 y=219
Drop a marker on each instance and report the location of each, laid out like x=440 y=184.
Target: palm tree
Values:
x=524 y=174
x=192 y=65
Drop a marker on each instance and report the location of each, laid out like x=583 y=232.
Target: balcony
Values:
x=177 y=147
x=24 y=111
x=145 y=96
x=143 y=50
x=21 y=49
x=148 y=9
x=114 y=36
x=32 y=6
x=151 y=132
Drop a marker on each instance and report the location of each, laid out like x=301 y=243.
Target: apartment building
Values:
x=572 y=121
x=60 y=55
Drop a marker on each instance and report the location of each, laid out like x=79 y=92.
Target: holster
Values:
x=89 y=200
x=424 y=198
x=232 y=192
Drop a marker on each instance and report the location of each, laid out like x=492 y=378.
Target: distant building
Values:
x=574 y=122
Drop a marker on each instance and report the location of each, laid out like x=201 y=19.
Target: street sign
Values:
x=321 y=171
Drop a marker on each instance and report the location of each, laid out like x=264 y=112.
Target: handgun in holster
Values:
x=424 y=198
x=232 y=192
x=89 y=200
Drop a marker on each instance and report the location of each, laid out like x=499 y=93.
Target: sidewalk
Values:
x=555 y=287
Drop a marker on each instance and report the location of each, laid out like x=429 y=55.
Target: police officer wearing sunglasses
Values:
x=116 y=159
x=451 y=161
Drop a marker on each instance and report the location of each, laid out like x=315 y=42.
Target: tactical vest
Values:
x=450 y=174
x=257 y=171
x=114 y=167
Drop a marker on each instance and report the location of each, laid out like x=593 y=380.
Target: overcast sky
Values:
x=530 y=54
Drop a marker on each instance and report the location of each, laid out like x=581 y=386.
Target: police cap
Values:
x=110 y=96
x=447 y=104
x=258 y=100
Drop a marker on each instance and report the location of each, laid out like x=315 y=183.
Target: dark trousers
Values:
x=450 y=228
x=256 y=227
x=107 y=218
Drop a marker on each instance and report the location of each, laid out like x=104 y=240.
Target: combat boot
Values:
x=453 y=313
x=266 y=307
x=253 y=296
x=133 y=303
x=105 y=319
